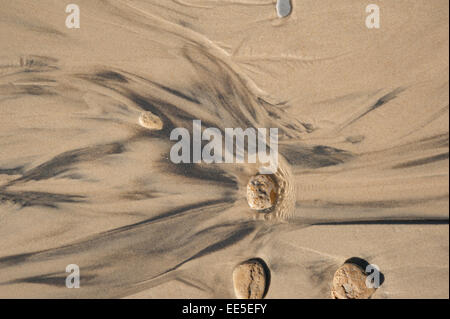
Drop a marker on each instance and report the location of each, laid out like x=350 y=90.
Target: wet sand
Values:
x=363 y=122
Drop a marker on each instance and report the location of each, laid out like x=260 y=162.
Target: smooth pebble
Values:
x=249 y=279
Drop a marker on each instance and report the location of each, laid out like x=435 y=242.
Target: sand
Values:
x=363 y=122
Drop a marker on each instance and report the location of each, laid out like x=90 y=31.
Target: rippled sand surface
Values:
x=363 y=128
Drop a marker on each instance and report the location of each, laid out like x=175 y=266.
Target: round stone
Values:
x=349 y=282
x=249 y=280
x=150 y=121
x=262 y=192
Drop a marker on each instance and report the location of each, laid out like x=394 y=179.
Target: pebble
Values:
x=249 y=279
x=349 y=282
x=150 y=121
x=262 y=192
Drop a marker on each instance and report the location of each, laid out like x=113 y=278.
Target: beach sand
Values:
x=363 y=122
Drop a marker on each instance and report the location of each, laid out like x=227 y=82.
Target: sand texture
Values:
x=85 y=170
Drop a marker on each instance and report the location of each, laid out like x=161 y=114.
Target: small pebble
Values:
x=349 y=282
x=262 y=192
x=249 y=279
x=150 y=121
